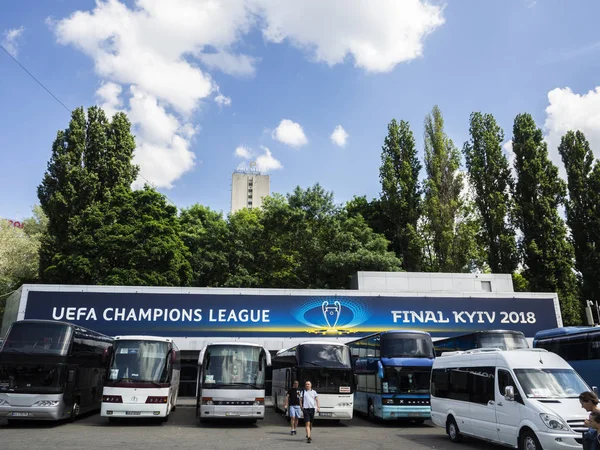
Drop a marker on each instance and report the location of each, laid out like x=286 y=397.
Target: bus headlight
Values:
x=207 y=401
x=554 y=422
x=259 y=401
x=388 y=401
x=46 y=403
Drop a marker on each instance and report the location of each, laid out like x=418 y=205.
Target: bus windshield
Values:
x=328 y=381
x=34 y=338
x=32 y=378
x=404 y=345
x=503 y=341
x=234 y=367
x=139 y=361
x=324 y=355
x=406 y=380
x=550 y=383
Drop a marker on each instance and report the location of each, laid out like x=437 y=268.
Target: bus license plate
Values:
x=325 y=414
x=20 y=414
x=414 y=414
x=133 y=413
x=232 y=414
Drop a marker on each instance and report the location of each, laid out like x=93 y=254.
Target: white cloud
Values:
x=377 y=34
x=290 y=133
x=10 y=40
x=266 y=162
x=243 y=152
x=109 y=95
x=221 y=100
x=152 y=57
x=339 y=136
x=229 y=63
x=569 y=111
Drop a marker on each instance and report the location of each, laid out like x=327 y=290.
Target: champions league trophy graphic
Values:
x=331 y=313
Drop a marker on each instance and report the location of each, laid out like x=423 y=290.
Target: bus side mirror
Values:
x=380 y=369
x=509 y=393
x=595 y=389
x=106 y=354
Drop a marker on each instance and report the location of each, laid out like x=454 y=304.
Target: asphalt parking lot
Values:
x=182 y=431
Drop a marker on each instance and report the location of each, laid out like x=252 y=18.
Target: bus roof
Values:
x=67 y=324
x=564 y=331
x=247 y=344
x=143 y=338
x=283 y=350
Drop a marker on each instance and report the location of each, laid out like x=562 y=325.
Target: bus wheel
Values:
x=371 y=410
x=75 y=409
x=453 y=431
x=529 y=441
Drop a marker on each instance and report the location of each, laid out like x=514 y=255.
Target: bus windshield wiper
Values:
x=8 y=350
x=237 y=384
x=150 y=381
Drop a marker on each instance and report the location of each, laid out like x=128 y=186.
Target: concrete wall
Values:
x=248 y=190
x=432 y=282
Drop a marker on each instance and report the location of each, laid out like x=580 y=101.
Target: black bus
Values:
x=51 y=370
x=502 y=339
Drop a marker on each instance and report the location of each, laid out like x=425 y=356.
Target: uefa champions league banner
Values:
x=209 y=315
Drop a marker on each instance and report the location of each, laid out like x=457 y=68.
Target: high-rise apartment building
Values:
x=248 y=188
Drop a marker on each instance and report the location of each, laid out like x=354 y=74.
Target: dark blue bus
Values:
x=579 y=346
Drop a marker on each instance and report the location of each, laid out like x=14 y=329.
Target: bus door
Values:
x=198 y=390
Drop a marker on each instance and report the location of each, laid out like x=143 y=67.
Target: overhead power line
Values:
x=34 y=78
x=65 y=106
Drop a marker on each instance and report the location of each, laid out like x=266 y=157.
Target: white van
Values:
x=525 y=399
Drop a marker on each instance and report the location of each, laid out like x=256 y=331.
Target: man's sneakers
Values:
x=308 y=440
x=293 y=432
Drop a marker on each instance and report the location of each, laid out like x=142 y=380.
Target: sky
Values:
x=305 y=89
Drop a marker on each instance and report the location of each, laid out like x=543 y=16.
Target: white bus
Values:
x=143 y=378
x=328 y=366
x=231 y=381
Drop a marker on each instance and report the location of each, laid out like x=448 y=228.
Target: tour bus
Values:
x=393 y=369
x=526 y=399
x=327 y=365
x=502 y=339
x=51 y=370
x=579 y=346
x=231 y=381
x=143 y=378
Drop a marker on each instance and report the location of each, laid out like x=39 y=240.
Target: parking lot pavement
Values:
x=182 y=431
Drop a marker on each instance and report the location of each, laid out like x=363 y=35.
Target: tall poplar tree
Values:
x=491 y=179
x=401 y=193
x=583 y=208
x=448 y=230
x=547 y=254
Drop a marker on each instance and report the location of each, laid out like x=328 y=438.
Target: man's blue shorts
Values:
x=295 y=411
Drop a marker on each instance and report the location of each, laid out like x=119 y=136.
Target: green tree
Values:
x=401 y=193
x=547 y=254
x=99 y=230
x=206 y=234
x=448 y=224
x=491 y=179
x=583 y=208
x=19 y=253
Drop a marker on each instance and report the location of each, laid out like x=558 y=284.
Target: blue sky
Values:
x=313 y=65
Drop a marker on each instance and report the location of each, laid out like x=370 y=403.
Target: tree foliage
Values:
x=547 y=254
x=448 y=224
x=491 y=179
x=583 y=209
x=401 y=193
x=99 y=230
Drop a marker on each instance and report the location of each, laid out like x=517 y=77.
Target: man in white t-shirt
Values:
x=310 y=402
